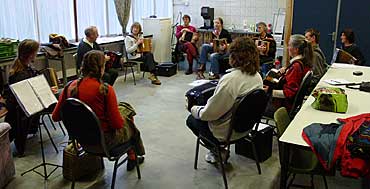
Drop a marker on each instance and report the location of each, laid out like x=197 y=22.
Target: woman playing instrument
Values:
x=218 y=33
x=267 y=48
x=132 y=43
x=348 y=44
x=117 y=126
x=187 y=37
x=284 y=93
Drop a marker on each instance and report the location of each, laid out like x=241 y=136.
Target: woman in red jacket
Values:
x=301 y=53
x=103 y=101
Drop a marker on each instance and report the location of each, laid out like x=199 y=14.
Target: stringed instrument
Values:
x=146 y=46
x=217 y=43
x=186 y=36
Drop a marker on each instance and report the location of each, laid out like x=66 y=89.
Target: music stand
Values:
x=44 y=163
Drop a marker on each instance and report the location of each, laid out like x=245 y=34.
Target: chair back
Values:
x=341 y=56
x=282 y=120
x=83 y=125
x=302 y=92
x=248 y=110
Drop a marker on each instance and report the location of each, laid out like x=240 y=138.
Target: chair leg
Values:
x=137 y=167
x=114 y=174
x=125 y=73
x=143 y=74
x=133 y=74
x=222 y=166
x=256 y=156
x=291 y=181
x=325 y=182
x=196 y=153
x=312 y=184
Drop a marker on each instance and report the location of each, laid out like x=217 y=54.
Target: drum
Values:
x=146 y=46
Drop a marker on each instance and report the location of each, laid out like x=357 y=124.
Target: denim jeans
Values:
x=201 y=127
x=214 y=58
x=215 y=61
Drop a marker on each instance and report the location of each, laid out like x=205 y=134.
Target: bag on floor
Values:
x=166 y=69
x=75 y=167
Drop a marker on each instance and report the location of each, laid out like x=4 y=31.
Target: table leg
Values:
x=284 y=164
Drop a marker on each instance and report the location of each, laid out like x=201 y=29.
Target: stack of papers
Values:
x=337 y=81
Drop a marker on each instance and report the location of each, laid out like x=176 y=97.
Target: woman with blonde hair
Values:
x=117 y=126
x=132 y=43
x=21 y=70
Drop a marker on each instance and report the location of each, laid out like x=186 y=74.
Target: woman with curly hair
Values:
x=243 y=78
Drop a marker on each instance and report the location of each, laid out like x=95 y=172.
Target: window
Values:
x=55 y=17
x=17 y=20
x=36 y=19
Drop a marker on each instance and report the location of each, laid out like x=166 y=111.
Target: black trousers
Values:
x=148 y=60
x=110 y=76
x=201 y=127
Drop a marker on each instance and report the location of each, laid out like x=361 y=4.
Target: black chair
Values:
x=84 y=127
x=246 y=113
x=303 y=91
x=127 y=63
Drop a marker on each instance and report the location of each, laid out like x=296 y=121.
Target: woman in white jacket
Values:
x=209 y=120
x=132 y=43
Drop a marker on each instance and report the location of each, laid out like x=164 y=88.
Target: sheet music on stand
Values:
x=33 y=95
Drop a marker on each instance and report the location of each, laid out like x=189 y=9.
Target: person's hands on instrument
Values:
x=282 y=70
x=106 y=57
x=262 y=49
x=54 y=89
x=266 y=88
x=185 y=30
x=139 y=41
x=223 y=46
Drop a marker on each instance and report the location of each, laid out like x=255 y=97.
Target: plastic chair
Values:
x=301 y=161
x=84 y=127
x=246 y=113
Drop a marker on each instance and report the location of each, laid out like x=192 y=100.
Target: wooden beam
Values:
x=287 y=29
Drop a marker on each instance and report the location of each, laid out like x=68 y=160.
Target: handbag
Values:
x=330 y=99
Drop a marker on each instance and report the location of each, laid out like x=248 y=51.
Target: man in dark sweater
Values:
x=87 y=44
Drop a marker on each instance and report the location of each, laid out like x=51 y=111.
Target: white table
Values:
x=358 y=103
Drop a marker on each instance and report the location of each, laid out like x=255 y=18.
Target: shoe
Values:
x=189 y=72
x=131 y=164
x=214 y=76
x=200 y=75
x=210 y=157
x=154 y=79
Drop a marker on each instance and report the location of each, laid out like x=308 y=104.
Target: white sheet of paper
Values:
x=199 y=82
x=337 y=81
x=342 y=65
x=42 y=90
x=26 y=97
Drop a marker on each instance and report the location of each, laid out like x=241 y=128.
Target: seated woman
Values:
x=302 y=57
x=132 y=43
x=103 y=101
x=243 y=78
x=348 y=44
x=187 y=36
x=21 y=70
x=218 y=33
x=267 y=54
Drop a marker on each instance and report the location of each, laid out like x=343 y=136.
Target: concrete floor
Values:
x=170 y=148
